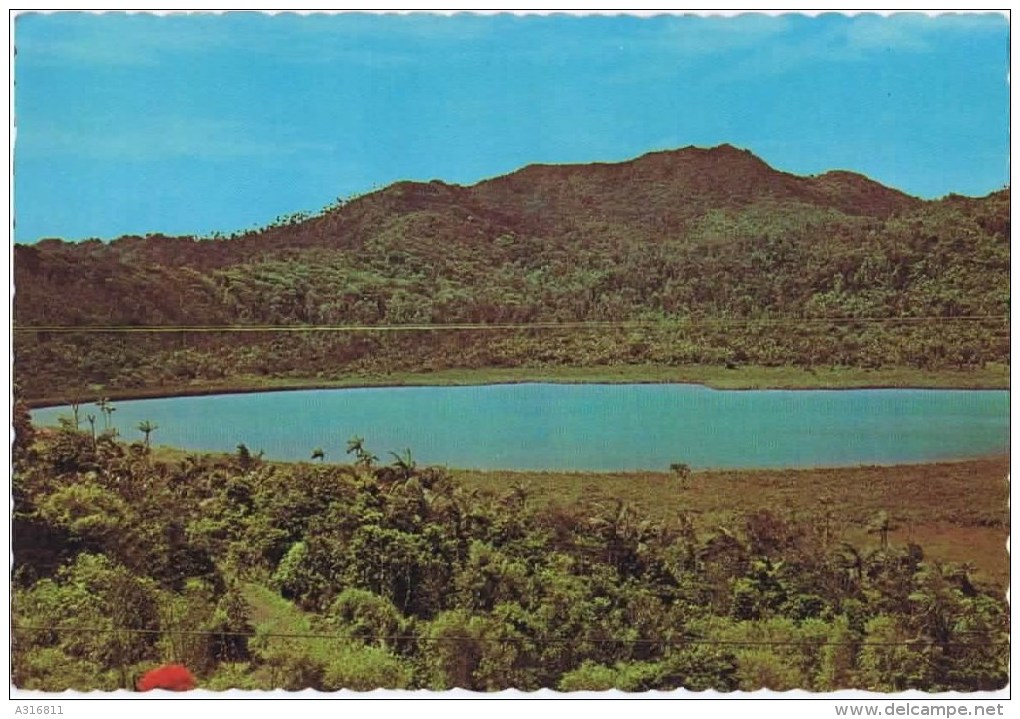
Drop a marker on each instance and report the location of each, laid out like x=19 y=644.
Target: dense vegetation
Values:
x=366 y=575
x=716 y=258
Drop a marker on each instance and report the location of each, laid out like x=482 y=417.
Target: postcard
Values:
x=474 y=352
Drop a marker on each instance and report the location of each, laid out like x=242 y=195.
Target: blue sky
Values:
x=131 y=124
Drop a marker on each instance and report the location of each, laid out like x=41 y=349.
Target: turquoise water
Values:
x=585 y=427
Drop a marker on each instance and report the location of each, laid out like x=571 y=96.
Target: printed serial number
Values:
x=52 y=709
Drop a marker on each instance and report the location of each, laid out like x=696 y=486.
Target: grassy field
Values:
x=957 y=511
x=992 y=376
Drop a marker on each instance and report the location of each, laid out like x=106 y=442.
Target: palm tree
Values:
x=244 y=457
x=881 y=525
x=850 y=562
x=146 y=427
x=404 y=463
x=682 y=472
x=356 y=445
x=518 y=497
x=102 y=403
x=107 y=409
x=362 y=457
x=92 y=423
x=76 y=408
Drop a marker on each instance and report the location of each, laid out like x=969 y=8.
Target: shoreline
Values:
x=665 y=473
x=721 y=379
x=164 y=451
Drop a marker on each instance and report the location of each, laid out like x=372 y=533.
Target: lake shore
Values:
x=958 y=510
x=991 y=377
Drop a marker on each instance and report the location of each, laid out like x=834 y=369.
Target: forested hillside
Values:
x=722 y=259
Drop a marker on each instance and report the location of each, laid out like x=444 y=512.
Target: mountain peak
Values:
x=716 y=161
x=717 y=152
x=728 y=149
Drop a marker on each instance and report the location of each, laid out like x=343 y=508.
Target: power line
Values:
x=504 y=326
x=564 y=641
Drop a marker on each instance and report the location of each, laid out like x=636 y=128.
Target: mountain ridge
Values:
x=720 y=164
x=669 y=238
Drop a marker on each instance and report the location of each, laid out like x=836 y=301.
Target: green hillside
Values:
x=718 y=260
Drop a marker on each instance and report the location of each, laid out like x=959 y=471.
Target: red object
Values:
x=174 y=677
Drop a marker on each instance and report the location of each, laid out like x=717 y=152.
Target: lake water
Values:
x=584 y=427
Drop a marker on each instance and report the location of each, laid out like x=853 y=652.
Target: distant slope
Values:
x=671 y=188
x=688 y=233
